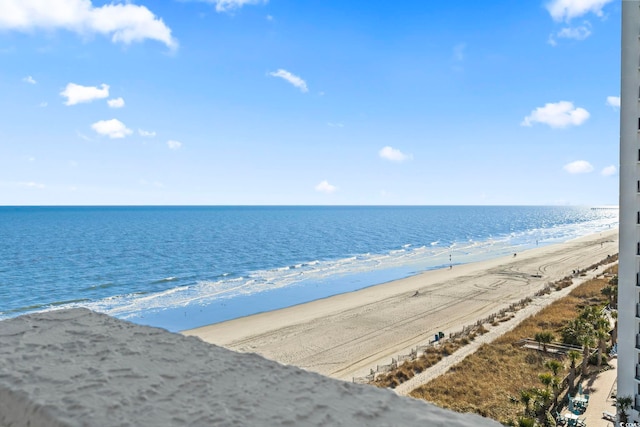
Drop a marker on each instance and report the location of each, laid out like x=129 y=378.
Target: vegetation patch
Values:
x=410 y=368
x=496 y=381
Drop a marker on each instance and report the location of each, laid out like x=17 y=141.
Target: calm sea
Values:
x=182 y=267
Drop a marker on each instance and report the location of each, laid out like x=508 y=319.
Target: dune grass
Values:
x=489 y=381
x=430 y=357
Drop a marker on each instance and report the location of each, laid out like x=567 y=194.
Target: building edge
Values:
x=629 y=243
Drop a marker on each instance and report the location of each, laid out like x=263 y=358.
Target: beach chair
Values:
x=609 y=416
x=560 y=419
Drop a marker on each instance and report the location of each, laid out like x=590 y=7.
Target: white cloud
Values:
x=113 y=128
x=156 y=184
x=325 y=187
x=557 y=115
x=43 y=104
x=613 y=101
x=116 y=103
x=609 y=170
x=393 y=154
x=458 y=51
x=37 y=185
x=77 y=94
x=124 y=22
x=227 y=5
x=269 y=18
x=174 y=145
x=291 y=78
x=83 y=136
x=146 y=134
x=565 y=10
x=579 y=166
x=29 y=80
x=577 y=33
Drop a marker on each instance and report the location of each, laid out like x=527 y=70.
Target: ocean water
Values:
x=182 y=267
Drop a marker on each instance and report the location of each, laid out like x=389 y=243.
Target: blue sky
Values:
x=309 y=102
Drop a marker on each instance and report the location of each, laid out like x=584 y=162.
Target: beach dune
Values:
x=346 y=335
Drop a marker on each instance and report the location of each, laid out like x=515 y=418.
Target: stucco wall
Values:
x=80 y=368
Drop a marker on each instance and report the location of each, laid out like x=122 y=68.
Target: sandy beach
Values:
x=345 y=335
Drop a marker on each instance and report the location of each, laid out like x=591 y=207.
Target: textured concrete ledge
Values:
x=80 y=368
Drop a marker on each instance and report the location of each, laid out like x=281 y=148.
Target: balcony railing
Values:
x=638 y=372
x=637 y=403
x=638 y=341
x=637 y=310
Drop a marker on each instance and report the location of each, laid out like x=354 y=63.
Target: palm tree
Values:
x=572 y=331
x=573 y=356
x=591 y=314
x=602 y=335
x=555 y=386
x=611 y=293
x=543 y=398
x=525 y=397
x=526 y=422
x=597 y=325
x=614 y=332
x=544 y=338
x=583 y=332
x=586 y=340
x=546 y=379
x=554 y=366
x=622 y=404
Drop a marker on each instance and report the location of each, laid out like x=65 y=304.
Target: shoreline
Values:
x=344 y=335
